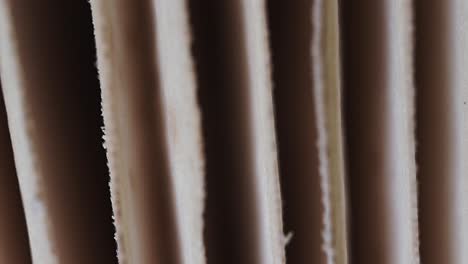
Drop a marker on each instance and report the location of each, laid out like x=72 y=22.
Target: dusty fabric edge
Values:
x=401 y=121
x=327 y=103
x=103 y=37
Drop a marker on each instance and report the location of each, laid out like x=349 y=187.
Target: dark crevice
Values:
x=364 y=49
x=230 y=213
x=434 y=154
x=290 y=28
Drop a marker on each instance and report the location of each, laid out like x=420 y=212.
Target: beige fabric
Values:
x=379 y=92
x=153 y=133
x=441 y=60
x=14 y=244
x=49 y=87
x=253 y=20
x=327 y=94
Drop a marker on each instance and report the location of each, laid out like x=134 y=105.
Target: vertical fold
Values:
x=51 y=95
x=306 y=72
x=258 y=66
x=326 y=71
x=441 y=63
x=14 y=244
x=378 y=92
x=153 y=135
x=290 y=31
x=243 y=206
x=182 y=118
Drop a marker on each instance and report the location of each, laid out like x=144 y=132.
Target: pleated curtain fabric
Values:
x=235 y=131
